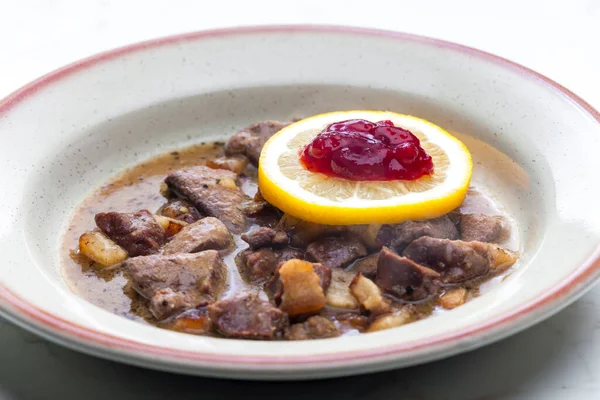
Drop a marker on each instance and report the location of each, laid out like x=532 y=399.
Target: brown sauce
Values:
x=139 y=188
x=134 y=189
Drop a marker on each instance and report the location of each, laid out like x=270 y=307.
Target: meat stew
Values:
x=184 y=241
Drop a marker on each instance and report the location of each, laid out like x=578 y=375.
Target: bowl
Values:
x=534 y=145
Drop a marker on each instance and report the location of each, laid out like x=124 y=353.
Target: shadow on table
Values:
x=502 y=370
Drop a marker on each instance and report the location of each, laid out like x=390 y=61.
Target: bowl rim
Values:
x=23 y=313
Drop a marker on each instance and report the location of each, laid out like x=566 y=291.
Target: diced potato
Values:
x=196 y=322
x=171 y=226
x=338 y=294
x=163 y=221
x=367 y=233
x=164 y=190
x=453 y=298
x=287 y=221
x=370 y=236
x=228 y=183
x=387 y=321
x=302 y=291
x=305 y=232
x=341 y=299
x=501 y=259
x=369 y=295
x=99 y=248
x=235 y=164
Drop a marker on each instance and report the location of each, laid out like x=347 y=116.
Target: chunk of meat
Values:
x=213 y=192
x=369 y=296
x=336 y=252
x=138 y=233
x=247 y=317
x=274 y=287
x=255 y=208
x=403 y=278
x=367 y=266
x=235 y=164
x=265 y=236
x=456 y=260
x=259 y=265
x=258 y=207
x=250 y=141
x=263 y=214
x=206 y=234
x=302 y=293
x=167 y=302
x=302 y=233
x=324 y=273
x=180 y=209
x=352 y=321
x=481 y=228
x=177 y=282
x=454 y=216
x=401 y=235
x=316 y=327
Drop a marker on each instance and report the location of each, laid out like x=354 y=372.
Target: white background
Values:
x=558 y=359
x=558 y=38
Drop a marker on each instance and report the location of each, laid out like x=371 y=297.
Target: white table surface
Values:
x=557 y=359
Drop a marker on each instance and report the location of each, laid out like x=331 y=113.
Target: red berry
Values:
x=362 y=150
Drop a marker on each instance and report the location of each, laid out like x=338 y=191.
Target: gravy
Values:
x=139 y=188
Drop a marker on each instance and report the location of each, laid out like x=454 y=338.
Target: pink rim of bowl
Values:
x=67 y=333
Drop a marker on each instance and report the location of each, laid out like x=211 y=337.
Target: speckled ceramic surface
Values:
x=533 y=144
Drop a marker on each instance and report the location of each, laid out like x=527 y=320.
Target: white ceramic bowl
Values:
x=534 y=143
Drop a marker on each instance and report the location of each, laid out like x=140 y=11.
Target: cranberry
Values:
x=370 y=151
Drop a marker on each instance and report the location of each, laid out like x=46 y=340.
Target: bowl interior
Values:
x=533 y=150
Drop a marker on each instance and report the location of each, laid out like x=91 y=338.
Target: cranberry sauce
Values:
x=367 y=151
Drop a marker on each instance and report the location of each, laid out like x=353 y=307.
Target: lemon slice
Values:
x=315 y=197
